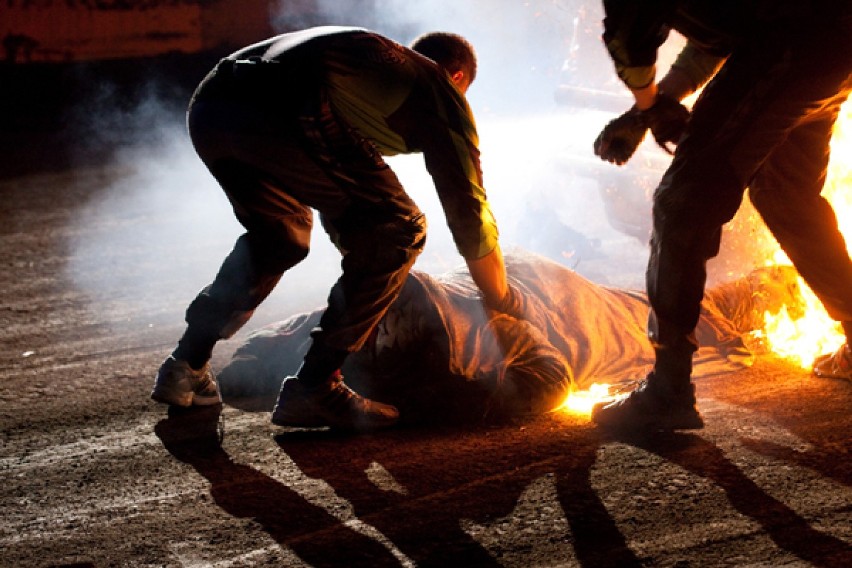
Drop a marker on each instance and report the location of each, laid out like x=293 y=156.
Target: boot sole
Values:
x=201 y=400
x=182 y=401
x=293 y=422
x=186 y=400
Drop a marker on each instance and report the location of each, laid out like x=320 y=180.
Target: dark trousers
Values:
x=276 y=163
x=763 y=122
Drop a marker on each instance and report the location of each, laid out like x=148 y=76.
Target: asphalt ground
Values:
x=94 y=473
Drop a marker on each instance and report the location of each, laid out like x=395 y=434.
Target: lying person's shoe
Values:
x=837 y=365
x=179 y=384
x=650 y=408
x=331 y=403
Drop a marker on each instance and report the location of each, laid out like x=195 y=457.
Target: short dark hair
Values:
x=450 y=51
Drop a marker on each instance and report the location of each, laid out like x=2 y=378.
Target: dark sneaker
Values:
x=179 y=384
x=650 y=409
x=330 y=404
x=837 y=365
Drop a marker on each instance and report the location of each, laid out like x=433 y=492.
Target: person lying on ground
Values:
x=438 y=355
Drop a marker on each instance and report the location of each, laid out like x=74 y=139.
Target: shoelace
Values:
x=341 y=399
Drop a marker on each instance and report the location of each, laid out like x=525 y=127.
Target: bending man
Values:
x=299 y=122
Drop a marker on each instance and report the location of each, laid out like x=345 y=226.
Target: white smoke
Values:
x=521 y=45
x=160 y=226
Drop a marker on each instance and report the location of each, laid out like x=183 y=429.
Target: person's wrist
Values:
x=646 y=97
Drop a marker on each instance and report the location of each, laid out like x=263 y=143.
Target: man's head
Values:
x=452 y=52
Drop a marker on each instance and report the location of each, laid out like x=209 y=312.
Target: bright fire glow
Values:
x=582 y=402
x=815 y=333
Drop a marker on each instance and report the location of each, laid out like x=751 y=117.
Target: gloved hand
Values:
x=620 y=137
x=667 y=120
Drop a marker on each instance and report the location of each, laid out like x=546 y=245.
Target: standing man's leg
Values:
x=379 y=248
x=700 y=191
x=380 y=231
x=786 y=191
x=690 y=206
x=278 y=238
x=787 y=195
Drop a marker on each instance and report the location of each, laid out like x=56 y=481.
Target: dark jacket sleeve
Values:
x=698 y=65
x=633 y=31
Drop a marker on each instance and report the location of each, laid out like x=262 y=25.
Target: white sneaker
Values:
x=180 y=385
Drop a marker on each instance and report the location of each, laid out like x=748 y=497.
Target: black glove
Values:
x=620 y=137
x=667 y=120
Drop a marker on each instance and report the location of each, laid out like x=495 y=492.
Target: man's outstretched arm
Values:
x=489 y=275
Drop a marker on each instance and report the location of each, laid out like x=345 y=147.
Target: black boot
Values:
x=653 y=406
x=330 y=403
x=317 y=396
x=665 y=400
